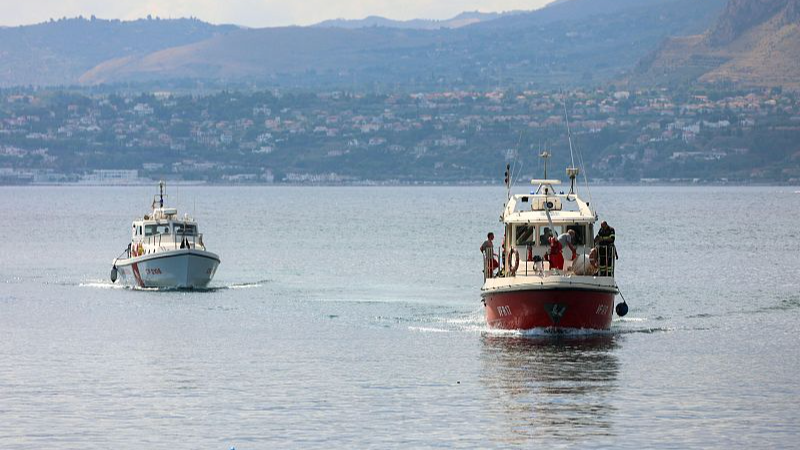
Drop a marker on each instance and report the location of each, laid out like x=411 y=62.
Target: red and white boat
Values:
x=525 y=292
x=166 y=251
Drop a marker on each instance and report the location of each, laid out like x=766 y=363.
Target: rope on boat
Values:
x=114 y=266
x=622 y=308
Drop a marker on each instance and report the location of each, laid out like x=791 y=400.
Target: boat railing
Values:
x=166 y=242
x=531 y=264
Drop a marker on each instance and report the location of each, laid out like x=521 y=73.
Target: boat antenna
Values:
x=161 y=185
x=586 y=180
x=545 y=155
x=538 y=160
x=517 y=171
x=572 y=171
x=508 y=181
x=569 y=133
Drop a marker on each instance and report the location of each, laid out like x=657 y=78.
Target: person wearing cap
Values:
x=606 y=250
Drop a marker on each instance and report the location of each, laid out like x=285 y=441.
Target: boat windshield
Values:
x=525 y=234
x=182 y=229
x=580 y=234
x=545 y=232
x=151 y=230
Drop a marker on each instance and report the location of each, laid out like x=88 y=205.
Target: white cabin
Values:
x=530 y=219
x=163 y=230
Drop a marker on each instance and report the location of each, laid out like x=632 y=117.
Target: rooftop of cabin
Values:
x=534 y=207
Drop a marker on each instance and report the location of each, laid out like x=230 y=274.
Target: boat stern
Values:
x=550 y=302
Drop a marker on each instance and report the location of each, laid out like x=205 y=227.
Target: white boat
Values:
x=166 y=251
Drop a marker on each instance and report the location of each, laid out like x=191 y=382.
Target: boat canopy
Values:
x=164 y=213
x=534 y=208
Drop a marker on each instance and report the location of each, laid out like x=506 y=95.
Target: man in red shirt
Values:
x=556 y=258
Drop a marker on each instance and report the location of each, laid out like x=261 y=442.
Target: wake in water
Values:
x=475 y=322
x=456 y=321
x=105 y=284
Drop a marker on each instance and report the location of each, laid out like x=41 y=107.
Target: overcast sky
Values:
x=253 y=13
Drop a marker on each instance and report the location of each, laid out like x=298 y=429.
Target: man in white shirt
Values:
x=568 y=240
x=489 y=261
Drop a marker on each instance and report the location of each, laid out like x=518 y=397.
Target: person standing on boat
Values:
x=606 y=251
x=555 y=257
x=487 y=248
x=567 y=240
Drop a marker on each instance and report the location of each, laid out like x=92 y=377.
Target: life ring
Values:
x=140 y=250
x=513 y=267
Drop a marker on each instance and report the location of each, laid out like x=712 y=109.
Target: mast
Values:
x=572 y=171
x=161 y=185
x=545 y=155
x=508 y=182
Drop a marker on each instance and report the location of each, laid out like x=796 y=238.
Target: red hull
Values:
x=550 y=308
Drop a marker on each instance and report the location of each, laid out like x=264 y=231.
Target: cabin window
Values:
x=526 y=235
x=149 y=230
x=580 y=233
x=545 y=232
x=162 y=229
x=185 y=229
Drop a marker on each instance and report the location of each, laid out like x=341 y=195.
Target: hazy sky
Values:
x=254 y=13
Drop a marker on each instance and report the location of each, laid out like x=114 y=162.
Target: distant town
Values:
x=704 y=135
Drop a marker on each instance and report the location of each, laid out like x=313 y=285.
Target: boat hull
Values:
x=178 y=269
x=552 y=308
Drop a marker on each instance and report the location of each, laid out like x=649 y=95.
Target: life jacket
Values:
x=606 y=237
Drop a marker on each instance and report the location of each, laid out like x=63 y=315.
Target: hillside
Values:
x=752 y=43
x=570 y=43
x=58 y=52
x=461 y=20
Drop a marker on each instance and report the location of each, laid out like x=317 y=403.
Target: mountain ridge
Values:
x=572 y=42
x=458 y=21
x=567 y=43
x=752 y=43
x=59 y=51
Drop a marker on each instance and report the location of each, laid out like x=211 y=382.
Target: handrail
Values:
x=532 y=264
x=156 y=243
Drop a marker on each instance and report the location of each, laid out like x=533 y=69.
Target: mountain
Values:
x=752 y=43
x=60 y=51
x=461 y=20
x=573 y=42
x=590 y=12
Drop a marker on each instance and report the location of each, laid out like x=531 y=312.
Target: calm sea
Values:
x=350 y=317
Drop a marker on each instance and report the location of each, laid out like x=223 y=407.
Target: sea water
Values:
x=350 y=317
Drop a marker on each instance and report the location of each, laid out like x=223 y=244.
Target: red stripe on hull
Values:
x=137 y=275
x=523 y=310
